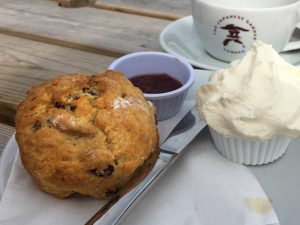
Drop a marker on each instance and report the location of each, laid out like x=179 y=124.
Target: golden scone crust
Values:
x=86 y=134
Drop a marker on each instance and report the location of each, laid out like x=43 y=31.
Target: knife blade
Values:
x=166 y=127
x=117 y=207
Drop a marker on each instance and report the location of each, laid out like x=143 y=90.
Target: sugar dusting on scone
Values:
x=86 y=134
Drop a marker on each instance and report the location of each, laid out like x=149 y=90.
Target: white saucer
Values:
x=179 y=38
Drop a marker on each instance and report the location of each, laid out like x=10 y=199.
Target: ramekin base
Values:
x=250 y=152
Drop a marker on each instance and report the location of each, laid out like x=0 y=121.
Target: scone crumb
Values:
x=121 y=103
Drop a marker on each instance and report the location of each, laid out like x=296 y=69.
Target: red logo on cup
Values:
x=233 y=34
x=233 y=40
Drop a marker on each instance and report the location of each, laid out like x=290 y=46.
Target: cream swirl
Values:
x=256 y=97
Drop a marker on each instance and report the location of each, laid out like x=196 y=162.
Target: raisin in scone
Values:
x=86 y=134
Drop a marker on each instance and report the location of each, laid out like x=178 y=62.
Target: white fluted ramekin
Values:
x=167 y=104
x=250 y=152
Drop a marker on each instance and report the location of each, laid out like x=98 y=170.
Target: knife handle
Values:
x=116 y=208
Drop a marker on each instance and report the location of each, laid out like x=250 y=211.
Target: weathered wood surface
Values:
x=101 y=31
x=24 y=63
x=164 y=9
x=5 y=133
x=39 y=39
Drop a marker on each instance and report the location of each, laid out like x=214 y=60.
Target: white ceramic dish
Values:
x=179 y=38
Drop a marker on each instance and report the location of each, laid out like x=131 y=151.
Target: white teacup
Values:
x=228 y=28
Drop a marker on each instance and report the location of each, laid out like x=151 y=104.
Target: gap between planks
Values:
x=129 y=10
x=63 y=43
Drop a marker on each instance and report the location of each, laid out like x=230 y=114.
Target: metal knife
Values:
x=117 y=207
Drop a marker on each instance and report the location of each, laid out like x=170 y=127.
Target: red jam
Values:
x=155 y=83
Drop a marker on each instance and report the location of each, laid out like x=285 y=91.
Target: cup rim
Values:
x=164 y=95
x=205 y=2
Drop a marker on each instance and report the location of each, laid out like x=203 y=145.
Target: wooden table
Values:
x=40 y=39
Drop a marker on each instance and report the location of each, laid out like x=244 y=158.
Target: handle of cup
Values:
x=293 y=45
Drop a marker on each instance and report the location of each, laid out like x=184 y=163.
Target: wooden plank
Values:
x=24 y=63
x=5 y=133
x=100 y=31
x=164 y=9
